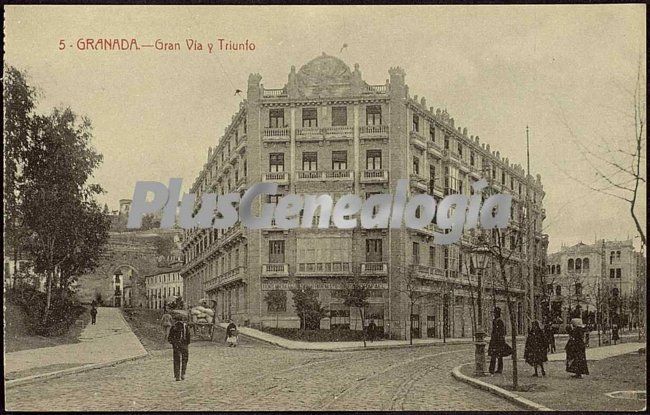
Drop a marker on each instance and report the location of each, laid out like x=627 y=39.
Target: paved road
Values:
x=256 y=376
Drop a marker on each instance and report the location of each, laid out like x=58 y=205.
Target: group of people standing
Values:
x=539 y=342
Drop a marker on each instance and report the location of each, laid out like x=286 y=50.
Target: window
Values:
x=373 y=115
x=374 y=250
x=578 y=289
x=416 y=253
x=618 y=255
x=276 y=252
x=471 y=159
x=558 y=290
x=578 y=265
x=432 y=256
x=612 y=273
x=416 y=165
x=512 y=183
x=339 y=160
x=615 y=292
x=432 y=178
x=570 y=265
x=618 y=273
x=432 y=133
x=416 y=123
x=460 y=149
x=309 y=117
x=557 y=269
x=340 y=318
x=273 y=199
x=446 y=143
x=309 y=161
x=373 y=160
x=611 y=257
x=339 y=116
x=503 y=178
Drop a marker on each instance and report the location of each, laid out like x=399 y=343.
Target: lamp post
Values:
x=479 y=337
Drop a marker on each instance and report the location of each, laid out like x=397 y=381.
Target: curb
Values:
x=495 y=390
x=59 y=373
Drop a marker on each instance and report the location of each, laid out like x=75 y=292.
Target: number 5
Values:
x=61 y=44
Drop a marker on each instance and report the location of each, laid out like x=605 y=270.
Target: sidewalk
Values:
x=559 y=391
x=344 y=346
x=109 y=341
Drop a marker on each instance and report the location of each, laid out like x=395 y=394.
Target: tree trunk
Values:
x=50 y=275
x=363 y=326
x=411 y=324
x=277 y=320
x=513 y=338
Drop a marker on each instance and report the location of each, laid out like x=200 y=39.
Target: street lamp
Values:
x=480 y=258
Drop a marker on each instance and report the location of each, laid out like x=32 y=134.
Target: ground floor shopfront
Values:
x=438 y=312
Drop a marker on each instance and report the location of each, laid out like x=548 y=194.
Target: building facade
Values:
x=329 y=132
x=164 y=287
x=582 y=275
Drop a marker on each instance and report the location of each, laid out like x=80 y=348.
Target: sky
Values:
x=566 y=72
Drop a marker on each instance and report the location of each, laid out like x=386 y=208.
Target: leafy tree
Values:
x=356 y=295
x=19 y=99
x=164 y=245
x=307 y=307
x=58 y=164
x=149 y=221
x=277 y=301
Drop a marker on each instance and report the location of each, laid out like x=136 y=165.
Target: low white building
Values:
x=164 y=287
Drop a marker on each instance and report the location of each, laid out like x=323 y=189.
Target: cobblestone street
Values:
x=255 y=376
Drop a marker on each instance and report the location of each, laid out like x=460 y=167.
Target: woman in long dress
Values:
x=576 y=358
x=536 y=348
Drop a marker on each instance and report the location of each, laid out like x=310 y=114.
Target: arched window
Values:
x=585 y=264
x=557 y=269
x=570 y=265
x=552 y=269
x=578 y=265
x=558 y=290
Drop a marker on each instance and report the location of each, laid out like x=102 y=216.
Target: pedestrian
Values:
x=536 y=348
x=576 y=358
x=93 y=314
x=498 y=348
x=179 y=337
x=231 y=334
x=372 y=330
x=166 y=322
x=549 y=331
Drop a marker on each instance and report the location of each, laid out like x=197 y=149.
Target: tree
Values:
x=19 y=99
x=356 y=295
x=277 y=302
x=620 y=165
x=308 y=308
x=58 y=164
x=497 y=248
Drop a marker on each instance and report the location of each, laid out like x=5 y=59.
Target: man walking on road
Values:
x=179 y=337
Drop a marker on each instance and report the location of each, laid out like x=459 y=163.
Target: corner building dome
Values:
x=324 y=69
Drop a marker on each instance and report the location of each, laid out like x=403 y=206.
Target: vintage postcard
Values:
x=325 y=208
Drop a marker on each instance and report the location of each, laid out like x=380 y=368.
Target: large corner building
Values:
x=328 y=131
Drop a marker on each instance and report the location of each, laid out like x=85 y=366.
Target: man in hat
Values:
x=179 y=337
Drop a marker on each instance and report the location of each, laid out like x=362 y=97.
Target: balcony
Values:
x=274 y=93
x=279 y=177
x=329 y=268
x=434 y=148
x=324 y=175
x=429 y=272
x=309 y=134
x=418 y=141
x=275 y=134
x=233 y=275
x=339 y=133
x=374 y=268
x=374 y=176
x=281 y=269
x=373 y=131
x=377 y=89
x=419 y=182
